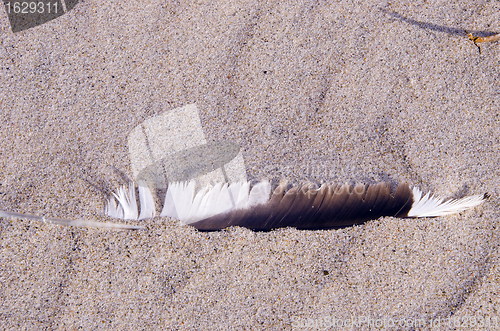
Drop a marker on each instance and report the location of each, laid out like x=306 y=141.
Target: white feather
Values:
x=216 y=201
x=196 y=205
x=240 y=192
x=127 y=202
x=146 y=201
x=225 y=200
x=183 y=198
x=169 y=205
x=179 y=200
x=112 y=209
x=209 y=201
x=259 y=193
x=433 y=206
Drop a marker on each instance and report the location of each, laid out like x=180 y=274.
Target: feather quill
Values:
x=66 y=222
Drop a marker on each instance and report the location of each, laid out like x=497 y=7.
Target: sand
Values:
x=351 y=91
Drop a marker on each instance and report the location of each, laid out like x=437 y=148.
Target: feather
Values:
x=433 y=206
x=127 y=203
x=259 y=194
x=169 y=209
x=179 y=200
x=216 y=201
x=113 y=210
x=183 y=194
x=147 y=202
x=239 y=192
x=330 y=206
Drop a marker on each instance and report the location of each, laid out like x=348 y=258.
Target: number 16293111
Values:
x=31 y=7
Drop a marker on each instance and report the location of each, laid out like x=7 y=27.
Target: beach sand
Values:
x=351 y=91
